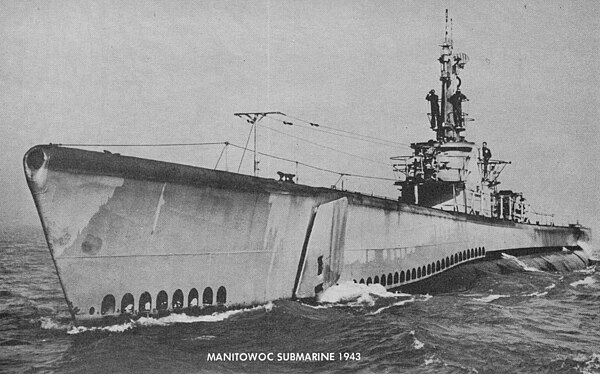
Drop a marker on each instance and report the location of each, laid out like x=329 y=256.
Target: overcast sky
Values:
x=176 y=71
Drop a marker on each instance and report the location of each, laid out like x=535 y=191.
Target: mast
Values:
x=253 y=118
x=445 y=79
x=452 y=125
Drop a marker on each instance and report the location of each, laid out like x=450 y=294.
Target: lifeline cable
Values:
x=313 y=167
x=136 y=145
x=219 y=143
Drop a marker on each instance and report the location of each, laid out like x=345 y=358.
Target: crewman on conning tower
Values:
x=456 y=101
x=435 y=108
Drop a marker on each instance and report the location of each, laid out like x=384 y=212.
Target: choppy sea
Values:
x=519 y=321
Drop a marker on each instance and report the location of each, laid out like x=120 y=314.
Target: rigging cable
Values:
x=247 y=140
x=314 y=167
x=342 y=135
x=221 y=155
x=350 y=134
x=326 y=147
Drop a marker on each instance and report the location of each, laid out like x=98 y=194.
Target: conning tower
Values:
x=449 y=172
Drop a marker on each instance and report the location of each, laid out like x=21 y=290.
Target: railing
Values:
x=471 y=202
x=494 y=168
x=551 y=219
x=512 y=208
x=427 y=167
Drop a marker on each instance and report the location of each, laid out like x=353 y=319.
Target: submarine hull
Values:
x=136 y=236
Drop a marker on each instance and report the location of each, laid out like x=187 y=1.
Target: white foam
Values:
x=588 y=364
x=588 y=271
x=587 y=281
x=417 y=344
x=422 y=298
x=593 y=364
x=490 y=298
x=471 y=295
x=184 y=318
x=399 y=303
x=317 y=306
x=523 y=265
x=432 y=360
x=48 y=323
x=591 y=253
x=361 y=293
x=114 y=328
x=269 y=306
x=550 y=286
x=203 y=337
x=170 y=320
x=537 y=294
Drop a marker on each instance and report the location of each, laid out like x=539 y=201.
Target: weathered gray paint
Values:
x=118 y=225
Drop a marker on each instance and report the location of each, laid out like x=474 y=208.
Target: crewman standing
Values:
x=435 y=109
x=486 y=155
x=456 y=101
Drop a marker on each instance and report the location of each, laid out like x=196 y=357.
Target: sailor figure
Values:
x=435 y=108
x=486 y=155
x=456 y=101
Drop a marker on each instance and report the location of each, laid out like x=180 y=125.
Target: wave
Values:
x=490 y=298
x=114 y=328
x=360 y=294
x=520 y=263
x=202 y=337
x=591 y=253
x=4 y=293
x=588 y=271
x=591 y=363
x=352 y=294
x=417 y=344
x=184 y=318
x=536 y=294
x=432 y=360
x=587 y=281
x=587 y=363
x=399 y=303
x=50 y=324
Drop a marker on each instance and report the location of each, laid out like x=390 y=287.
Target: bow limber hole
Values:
x=35 y=159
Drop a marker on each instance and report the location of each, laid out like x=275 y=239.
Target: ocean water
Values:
x=518 y=320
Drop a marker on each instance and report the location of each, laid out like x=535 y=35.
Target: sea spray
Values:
x=520 y=263
x=587 y=281
x=592 y=253
x=354 y=292
x=490 y=298
x=171 y=319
